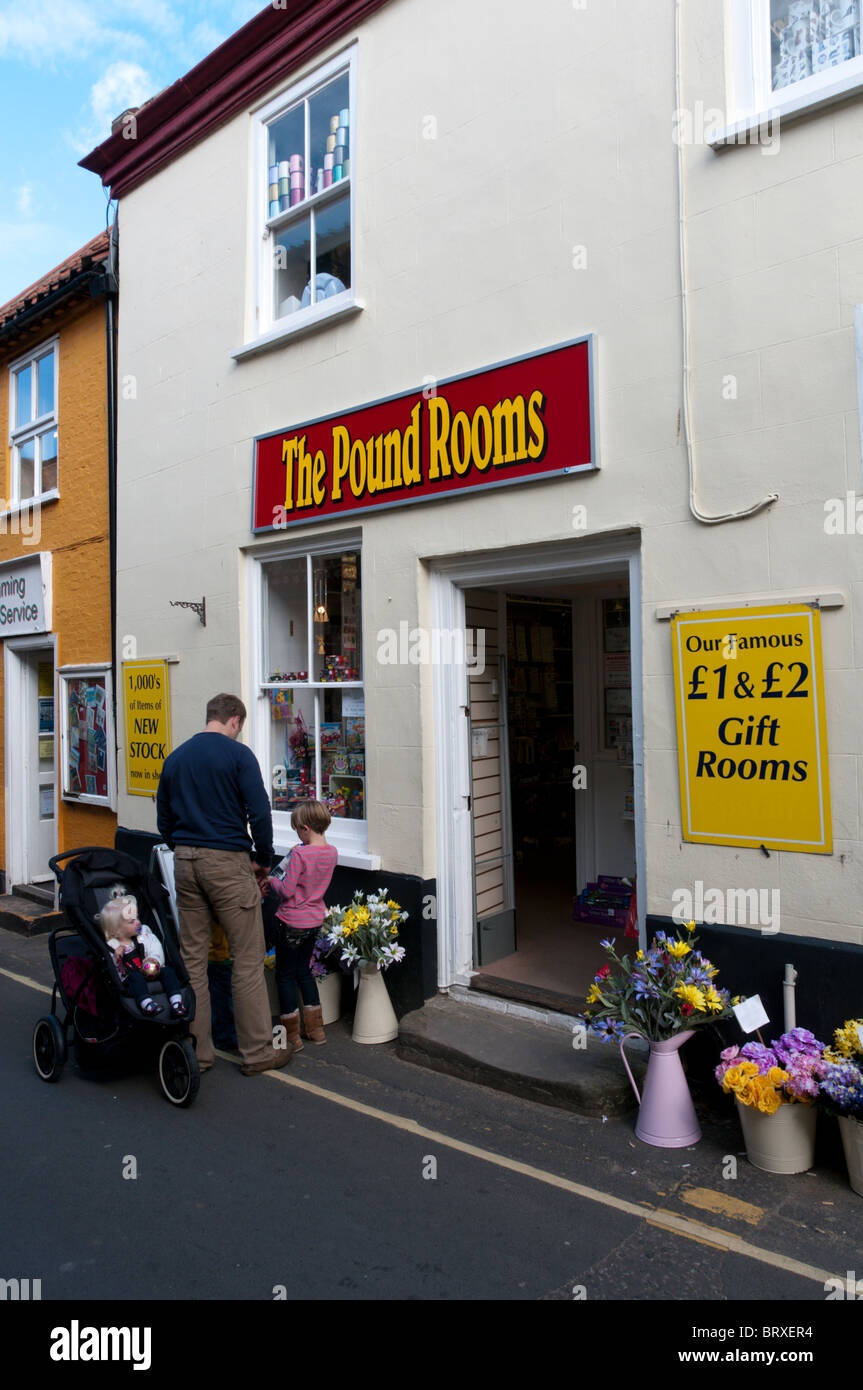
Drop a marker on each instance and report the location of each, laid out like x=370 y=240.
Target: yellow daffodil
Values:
x=362 y=915
x=593 y=994
x=678 y=949
x=712 y=1000
x=690 y=926
x=691 y=994
x=639 y=955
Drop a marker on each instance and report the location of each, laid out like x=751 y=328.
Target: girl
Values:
x=132 y=944
x=299 y=883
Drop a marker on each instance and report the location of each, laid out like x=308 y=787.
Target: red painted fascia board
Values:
x=229 y=79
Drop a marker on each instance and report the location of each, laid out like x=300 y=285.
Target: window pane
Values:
x=343 y=753
x=286 y=599
x=45 y=367
x=809 y=36
x=286 y=170
x=48 y=445
x=329 y=134
x=27 y=455
x=333 y=248
x=293 y=260
x=23 y=396
x=293 y=765
x=337 y=639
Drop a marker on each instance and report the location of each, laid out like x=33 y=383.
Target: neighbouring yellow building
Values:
x=57 y=746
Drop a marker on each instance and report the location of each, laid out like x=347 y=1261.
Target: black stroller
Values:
x=100 y=1018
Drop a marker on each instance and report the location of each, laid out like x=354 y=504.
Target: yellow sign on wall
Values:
x=145 y=702
x=751 y=728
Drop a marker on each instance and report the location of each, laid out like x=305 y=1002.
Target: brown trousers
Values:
x=218 y=884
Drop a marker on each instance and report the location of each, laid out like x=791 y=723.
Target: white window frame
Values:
x=65 y=674
x=38 y=425
x=266 y=329
x=752 y=101
x=349 y=836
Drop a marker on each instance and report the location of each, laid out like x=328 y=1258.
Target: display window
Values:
x=87 y=733
x=312 y=678
x=304 y=156
x=787 y=54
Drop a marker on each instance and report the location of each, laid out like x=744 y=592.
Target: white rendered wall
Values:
x=553 y=146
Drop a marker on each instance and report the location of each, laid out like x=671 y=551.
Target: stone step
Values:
x=26 y=917
x=528 y=1059
x=36 y=892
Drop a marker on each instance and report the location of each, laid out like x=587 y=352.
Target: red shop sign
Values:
x=520 y=420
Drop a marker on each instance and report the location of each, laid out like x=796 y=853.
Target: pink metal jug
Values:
x=666 y=1117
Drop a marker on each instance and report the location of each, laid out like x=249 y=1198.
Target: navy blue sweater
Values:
x=210 y=792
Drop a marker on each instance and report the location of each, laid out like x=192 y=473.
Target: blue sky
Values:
x=67 y=67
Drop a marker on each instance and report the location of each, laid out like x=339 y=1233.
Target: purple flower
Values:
x=763 y=1057
x=728 y=1058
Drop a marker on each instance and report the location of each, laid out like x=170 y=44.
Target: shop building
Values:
x=58 y=746
x=469 y=353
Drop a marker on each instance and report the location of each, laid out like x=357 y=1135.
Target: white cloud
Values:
x=121 y=85
x=55 y=29
x=24 y=199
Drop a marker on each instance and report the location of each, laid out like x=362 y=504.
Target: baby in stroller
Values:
x=139 y=955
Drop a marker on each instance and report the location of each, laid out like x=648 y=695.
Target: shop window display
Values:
x=313 y=644
x=807 y=37
x=308 y=153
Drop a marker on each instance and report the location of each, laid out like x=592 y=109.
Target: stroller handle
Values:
x=69 y=854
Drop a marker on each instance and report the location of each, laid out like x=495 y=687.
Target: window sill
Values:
x=17 y=508
x=786 y=108
x=332 y=311
x=350 y=857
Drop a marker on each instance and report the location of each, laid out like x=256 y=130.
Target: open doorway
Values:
x=552 y=795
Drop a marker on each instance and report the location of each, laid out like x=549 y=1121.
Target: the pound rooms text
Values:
x=436 y=445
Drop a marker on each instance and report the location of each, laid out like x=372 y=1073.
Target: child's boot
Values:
x=291 y=1025
x=313 y=1023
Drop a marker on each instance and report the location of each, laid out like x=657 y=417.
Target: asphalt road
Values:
x=263 y=1187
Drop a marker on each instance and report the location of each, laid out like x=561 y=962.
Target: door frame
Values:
x=585 y=558
x=15 y=790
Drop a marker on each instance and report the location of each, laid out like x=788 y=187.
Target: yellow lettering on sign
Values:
x=751 y=728
x=147 y=729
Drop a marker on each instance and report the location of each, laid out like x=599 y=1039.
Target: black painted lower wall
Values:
x=412 y=981
x=829 y=982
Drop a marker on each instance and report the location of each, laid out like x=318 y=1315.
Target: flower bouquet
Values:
x=365 y=934
x=775 y=1089
x=842 y=1093
x=661 y=993
x=659 y=996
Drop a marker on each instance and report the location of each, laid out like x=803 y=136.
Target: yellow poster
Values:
x=752 y=729
x=148 y=738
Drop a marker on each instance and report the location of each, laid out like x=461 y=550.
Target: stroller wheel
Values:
x=49 y=1048
x=179 y=1076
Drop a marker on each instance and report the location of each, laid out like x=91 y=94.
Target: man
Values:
x=210 y=793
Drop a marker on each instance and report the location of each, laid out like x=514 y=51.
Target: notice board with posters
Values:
x=751 y=728
x=87 y=733
x=147 y=728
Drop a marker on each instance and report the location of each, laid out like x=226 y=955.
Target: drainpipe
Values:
x=788 y=988
x=109 y=287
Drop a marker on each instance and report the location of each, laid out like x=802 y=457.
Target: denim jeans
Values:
x=294 y=947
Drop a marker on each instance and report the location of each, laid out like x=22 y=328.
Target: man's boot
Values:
x=291 y=1025
x=313 y=1023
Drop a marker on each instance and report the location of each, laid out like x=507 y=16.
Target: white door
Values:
x=30 y=763
x=489 y=763
x=42 y=811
